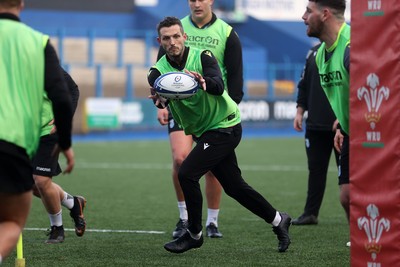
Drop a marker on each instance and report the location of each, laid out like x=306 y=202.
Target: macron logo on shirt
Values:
x=206 y=145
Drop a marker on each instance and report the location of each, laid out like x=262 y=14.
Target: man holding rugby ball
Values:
x=213 y=119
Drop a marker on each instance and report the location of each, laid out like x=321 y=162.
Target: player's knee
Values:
x=178 y=160
x=345 y=195
x=42 y=182
x=35 y=191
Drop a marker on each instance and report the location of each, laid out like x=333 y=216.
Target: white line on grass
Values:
x=103 y=231
x=153 y=166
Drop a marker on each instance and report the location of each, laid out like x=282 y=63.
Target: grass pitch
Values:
x=132 y=210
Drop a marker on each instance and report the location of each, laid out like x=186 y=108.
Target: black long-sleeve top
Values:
x=233 y=61
x=73 y=89
x=57 y=91
x=311 y=96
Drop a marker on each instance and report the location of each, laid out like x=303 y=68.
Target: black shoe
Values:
x=56 y=235
x=76 y=214
x=181 y=228
x=183 y=243
x=305 y=220
x=282 y=232
x=212 y=231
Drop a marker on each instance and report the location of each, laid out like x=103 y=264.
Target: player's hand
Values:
x=54 y=129
x=198 y=77
x=162 y=116
x=158 y=100
x=298 y=122
x=338 y=140
x=69 y=155
x=335 y=124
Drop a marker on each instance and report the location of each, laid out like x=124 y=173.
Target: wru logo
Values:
x=373 y=98
x=373 y=229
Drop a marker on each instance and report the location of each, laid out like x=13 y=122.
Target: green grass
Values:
x=128 y=187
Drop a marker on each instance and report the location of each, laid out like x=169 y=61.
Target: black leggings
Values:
x=215 y=151
x=319 y=146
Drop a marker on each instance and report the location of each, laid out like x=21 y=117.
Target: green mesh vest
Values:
x=47 y=116
x=22 y=88
x=335 y=78
x=202 y=111
x=212 y=38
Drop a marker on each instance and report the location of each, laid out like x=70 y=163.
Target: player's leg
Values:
x=219 y=156
x=213 y=195
x=51 y=201
x=15 y=194
x=45 y=166
x=318 y=149
x=76 y=205
x=344 y=180
x=344 y=177
x=181 y=145
x=229 y=175
x=14 y=210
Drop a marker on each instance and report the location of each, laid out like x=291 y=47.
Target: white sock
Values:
x=1 y=259
x=182 y=210
x=56 y=219
x=68 y=201
x=212 y=217
x=197 y=236
x=277 y=219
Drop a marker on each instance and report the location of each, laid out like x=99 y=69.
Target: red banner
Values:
x=375 y=133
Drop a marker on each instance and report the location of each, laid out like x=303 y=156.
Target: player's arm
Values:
x=233 y=61
x=57 y=92
x=301 y=101
x=302 y=86
x=74 y=92
x=212 y=73
x=158 y=101
x=73 y=89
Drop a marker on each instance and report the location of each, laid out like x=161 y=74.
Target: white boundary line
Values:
x=102 y=231
x=155 y=166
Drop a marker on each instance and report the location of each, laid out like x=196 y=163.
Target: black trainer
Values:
x=282 y=232
x=76 y=214
x=56 y=235
x=183 y=243
x=305 y=220
x=212 y=231
x=181 y=228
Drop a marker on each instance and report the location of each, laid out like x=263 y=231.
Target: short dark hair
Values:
x=338 y=5
x=10 y=3
x=168 y=22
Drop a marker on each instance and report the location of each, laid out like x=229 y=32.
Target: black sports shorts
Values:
x=173 y=126
x=44 y=163
x=15 y=169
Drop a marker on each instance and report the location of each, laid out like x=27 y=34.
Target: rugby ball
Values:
x=176 y=85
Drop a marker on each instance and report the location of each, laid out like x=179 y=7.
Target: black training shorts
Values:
x=15 y=169
x=44 y=163
x=173 y=126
